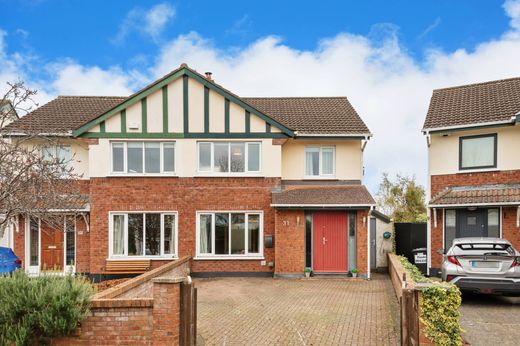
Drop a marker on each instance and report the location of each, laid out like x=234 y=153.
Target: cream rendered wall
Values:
x=113 y=124
x=196 y=106
x=237 y=118
x=383 y=246
x=154 y=112
x=443 y=153
x=256 y=124
x=133 y=116
x=349 y=158
x=186 y=158
x=216 y=112
x=175 y=107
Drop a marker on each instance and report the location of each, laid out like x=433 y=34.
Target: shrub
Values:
x=439 y=307
x=34 y=309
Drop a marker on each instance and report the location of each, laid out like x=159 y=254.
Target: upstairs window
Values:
x=58 y=153
x=477 y=152
x=320 y=161
x=229 y=157
x=143 y=157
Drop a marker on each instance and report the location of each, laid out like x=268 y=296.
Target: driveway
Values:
x=490 y=320
x=324 y=311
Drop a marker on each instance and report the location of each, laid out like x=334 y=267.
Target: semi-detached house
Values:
x=246 y=186
x=473 y=136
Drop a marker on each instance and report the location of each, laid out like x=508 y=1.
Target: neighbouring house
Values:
x=473 y=136
x=246 y=186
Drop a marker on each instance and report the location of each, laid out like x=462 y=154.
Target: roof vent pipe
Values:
x=208 y=76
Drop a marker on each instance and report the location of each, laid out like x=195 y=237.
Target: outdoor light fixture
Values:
x=472 y=208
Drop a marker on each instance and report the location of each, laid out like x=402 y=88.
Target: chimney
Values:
x=208 y=76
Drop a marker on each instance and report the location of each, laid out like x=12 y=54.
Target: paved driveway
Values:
x=490 y=320
x=262 y=311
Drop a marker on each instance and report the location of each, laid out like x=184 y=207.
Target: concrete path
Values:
x=262 y=311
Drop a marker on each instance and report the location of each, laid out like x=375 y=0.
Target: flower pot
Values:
x=354 y=275
x=307 y=274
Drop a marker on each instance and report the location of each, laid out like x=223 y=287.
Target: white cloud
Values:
x=388 y=87
x=148 y=22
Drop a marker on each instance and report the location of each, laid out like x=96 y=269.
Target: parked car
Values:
x=483 y=265
x=8 y=261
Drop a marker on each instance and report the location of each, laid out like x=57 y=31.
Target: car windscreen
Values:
x=483 y=248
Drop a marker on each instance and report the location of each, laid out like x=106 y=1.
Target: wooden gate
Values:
x=188 y=315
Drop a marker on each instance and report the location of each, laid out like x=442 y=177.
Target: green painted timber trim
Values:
x=132 y=135
x=165 y=109
x=238 y=101
x=128 y=102
x=248 y=122
x=226 y=116
x=185 y=103
x=123 y=121
x=144 y=116
x=235 y=135
x=267 y=127
x=206 y=109
x=102 y=127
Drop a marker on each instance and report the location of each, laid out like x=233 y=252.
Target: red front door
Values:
x=330 y=242
x=52 y=249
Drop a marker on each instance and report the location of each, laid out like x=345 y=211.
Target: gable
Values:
x=183 y=104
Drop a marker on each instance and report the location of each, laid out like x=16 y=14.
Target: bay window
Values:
x=320 y=161
x=143 y=158
x=143 y=234
x=229 y=157
x=224 y=234
x=478 y=151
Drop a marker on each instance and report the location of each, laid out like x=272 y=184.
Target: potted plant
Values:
x=307 y=272
x=354 y=272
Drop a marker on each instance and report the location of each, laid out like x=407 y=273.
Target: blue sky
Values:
x=386 y=56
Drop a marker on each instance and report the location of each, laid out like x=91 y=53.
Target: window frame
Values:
x=247 y=256
x=320 y=175
x=495 y=151
x=246 y=171
x=125 y=255
x=161 y=159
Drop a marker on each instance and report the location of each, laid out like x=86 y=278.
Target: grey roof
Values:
x=344 y=195
x=494 y=194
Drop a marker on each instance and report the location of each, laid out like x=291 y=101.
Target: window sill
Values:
x=140 y=175
x=318 y=177
x=228 y=175
x=133 y=258
x=477 y=170
x=230 y=257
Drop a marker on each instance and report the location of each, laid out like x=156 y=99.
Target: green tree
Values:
x=403 y=199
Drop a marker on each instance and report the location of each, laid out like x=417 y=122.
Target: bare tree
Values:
x=34 y=180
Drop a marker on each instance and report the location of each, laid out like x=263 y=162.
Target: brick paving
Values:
x=324 y=311
x=490 y=320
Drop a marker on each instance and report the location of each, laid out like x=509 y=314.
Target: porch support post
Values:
x=368 y=241
x=84 y=215
x=435 y=217
x=518 y=217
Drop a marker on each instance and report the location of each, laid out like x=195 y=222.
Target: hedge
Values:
x=32 y=310
x=439 y=307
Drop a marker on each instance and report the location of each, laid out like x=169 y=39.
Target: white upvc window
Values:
x=143 y=158
x=229 y=158
x=225 y=235
x=143 y=234
x=320 y=161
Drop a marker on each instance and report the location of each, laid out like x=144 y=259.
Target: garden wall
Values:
x=141 y=311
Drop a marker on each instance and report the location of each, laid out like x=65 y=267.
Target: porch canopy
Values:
x=348 y=196
x=479 y=195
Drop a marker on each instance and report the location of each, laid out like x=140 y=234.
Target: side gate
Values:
x=188 y=314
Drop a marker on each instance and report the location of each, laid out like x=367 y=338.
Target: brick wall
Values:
x=362 y=221
x=436 y=239
x=186 y=196
x=142 y=311
x=290 y=242
x=439 y=182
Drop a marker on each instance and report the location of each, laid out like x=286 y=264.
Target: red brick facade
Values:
x=187 y=196
x=440 y=182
